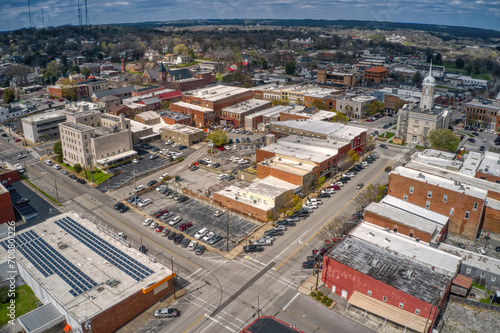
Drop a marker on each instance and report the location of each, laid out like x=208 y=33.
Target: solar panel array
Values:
x=48 y=261
x=121 y=260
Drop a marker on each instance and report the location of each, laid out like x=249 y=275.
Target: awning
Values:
x=463 y=281
x=41 y=319
x=117 y=157
x=149 y=136
x=389 y=312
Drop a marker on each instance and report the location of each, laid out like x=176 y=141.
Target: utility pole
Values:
x=227 y=230
x=57 y=194
x=173 y=279
x=258 y=306
x=91 y=174
x=25 y=170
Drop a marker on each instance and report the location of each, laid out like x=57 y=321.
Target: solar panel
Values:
x=48 y=262
x=121 y=260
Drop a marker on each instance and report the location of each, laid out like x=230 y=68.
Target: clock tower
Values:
x=428 y=85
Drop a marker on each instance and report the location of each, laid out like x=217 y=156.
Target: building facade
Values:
x=43 y=126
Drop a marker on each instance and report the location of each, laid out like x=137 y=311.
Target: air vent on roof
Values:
x=112 y=282
x=61 y=245
x=387 y=240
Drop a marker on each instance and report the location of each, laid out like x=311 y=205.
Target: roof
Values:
x=46 y=317
x=269 y=187
x=333 y=130
x=289 y=166
x=147 y=115
x=109 y=98
x=376 y=69
x=269 y=112
x=68 y=245
x=490 y=163
x=116 y=91
x=152 y=100
x=392 y=268
x=315 y=150
x=152 y=73
x=246 y=106
x=168 y=95
x=463 y=281
x=269 y=324
x=46 y=116
x=180 y=128
x=473 y=259
x=216 y=93
x=180 y=74
x=190 y=106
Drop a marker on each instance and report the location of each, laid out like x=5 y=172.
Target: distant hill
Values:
x=441 y=30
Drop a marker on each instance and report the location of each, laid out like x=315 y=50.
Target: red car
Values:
x=60 y=100
x=369 y=120
x=159 y=229
x=160 y=212
x=185 y=226
x=52 y=97
x=221 y=148
x=17 y=140
x=335 y=187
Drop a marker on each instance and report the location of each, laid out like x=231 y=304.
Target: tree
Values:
x=417 y=77
x=191 y=54
x=444 y=139
x=468 y=68
x=372 y=193
x=340 y=118
x=319 y=104
x=218 y=137
x=78 y=168
x=429 y=57
x=375 y=107
x=4 y=295
x=85 y=71
x=180 y=49
x=438 y=60
x=69 y=89
x=9 y=95
x=319 y=182
x=58 y=148
x=75 y=69
x=398 y=106
x=460 y=63
x=354 y=155
x=290 y=67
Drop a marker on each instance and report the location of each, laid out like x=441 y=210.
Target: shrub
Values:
x=59 y=158
x=320 y=293
x=77 y=167
x=328 y=302
x=313 y=294
x=323 y=300
x=318 y=297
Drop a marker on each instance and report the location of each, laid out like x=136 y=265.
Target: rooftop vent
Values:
x=112 y=282
x=387 y=240
x=61 y=245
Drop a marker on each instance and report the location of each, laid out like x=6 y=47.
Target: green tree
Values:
x=340 y=118
x=68 y=89
x=4 y=295
x=444 y=139
x=218 y=137
x=9 y=95
x=375 y=107
x=75 y=69
x=417 y=77
x=78 y=168
x=460 y=63
x=290 y=67
x=180 y=49
x=319 y=182
x=85 y=71
x=319 y=104
x=429 y=57
x=468 y=68
x=191 y=54
x=438 y=59
x=264 y=63
x=354 y=156
x=58 y=148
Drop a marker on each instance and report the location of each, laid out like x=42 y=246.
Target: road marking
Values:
x=192 y=273
x=215 y=307
x=301 y=319
x=286 y=248
x=218 y=322
x=187 y=329
x=290 y=302
x=329 y=221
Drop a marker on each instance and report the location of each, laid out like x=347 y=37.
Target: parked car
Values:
x=307 y=264
x=383 y=146
x=199 y=250
x=359 y=186
x=22 y=201
x=165 y=232
x=139 y=188
x=194 y=168
x=178 y=238
x=147 y=221
x=153 y=225
x=172 y=235
x=166 y=313
x=118 y=205
x=81 y=181
x=324 y=195
x=481 y=251
x=185 y=242
x=192 y=245
x=202 y=232
x=273 y=232
x=152 y=182
x=263 y=241
x=159 y=228
x=252 y=248
x=215 y=238
x=218 y=213
x=185 y=226
x=144 y=203
x=208 y=236
x=175 y=220
x=123 y=209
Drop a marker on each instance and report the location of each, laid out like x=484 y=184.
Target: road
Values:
x=225 y=295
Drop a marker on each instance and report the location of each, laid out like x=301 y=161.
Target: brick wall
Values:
x=265 y=170
x=262 y=154
x=198 y=116
x=290 y=116
x=400 y=186
x=241 y=207
x=491 y=220
x=6 y=207
x=9 y=177
x=350 y=280
x=115 y=317
x=488 y=177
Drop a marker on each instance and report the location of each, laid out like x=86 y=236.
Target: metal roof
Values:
x=46 y=317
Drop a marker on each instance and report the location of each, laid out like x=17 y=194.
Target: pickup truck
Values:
x=273 y=232
x=252 y=248
x=263 y=241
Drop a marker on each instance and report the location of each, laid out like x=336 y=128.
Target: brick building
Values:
x=463 y=204
x=182 y=79
x=171 y=118
x=90 y=266
x=375 y=75
x=185 y=135
x=408 y=219
x=117 y=110
x=234 y=115
x=354 y=107
x=341 y=78
x=356 y=136
x=483 y=114
x=202 y=117
x=5 y=202
x=391 y=276
x=265 y=117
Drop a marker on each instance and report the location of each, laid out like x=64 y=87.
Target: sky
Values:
x=470 y=13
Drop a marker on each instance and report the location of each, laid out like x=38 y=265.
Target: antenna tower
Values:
x=80 y=20
x=43 y=19
x=29 y=11
x=86 y=14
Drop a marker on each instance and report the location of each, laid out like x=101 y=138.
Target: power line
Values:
x=29 y=11
x=86 y=14
x=80 y=20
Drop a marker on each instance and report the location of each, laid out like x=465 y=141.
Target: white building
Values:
x=43 y=126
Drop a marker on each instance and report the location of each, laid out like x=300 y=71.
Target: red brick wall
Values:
x=54 y=91
x=240 y=207
x=488 y=177
x=290 y=116
x=264 y=170
x=115 y=317
x=262 y=154
x=491 y=220
x=172 y=121
x=399 y=186
x=350 y=280
x=6 y=207
x=386 y=222
x=198 y=116
x=9 y=177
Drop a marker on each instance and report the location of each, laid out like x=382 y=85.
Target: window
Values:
x=405 y=197
x=265 y=202
x=384 y=298
x=417 y=311
x=411 y=234
x=468 y=270
x=395 y=229
x=401 y=305
x=411 y=189
x=429 y=194
x=445 y=198
x=259 y=200
x=493 y=278
x=483 y=274
x=244 y=195
x=467 y=215
x=369 y=292
x=427 y=204
x=452 y=210
x=475 y=206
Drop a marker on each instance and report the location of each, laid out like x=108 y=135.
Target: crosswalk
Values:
x=470 y=147
x=401 y=157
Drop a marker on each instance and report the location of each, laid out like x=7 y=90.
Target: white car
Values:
x=227 y=147
x=163 y=176
x=49 y=162
x=481 y=251
x=176 y=145
x=144 y=203
x=192 y=245
x=161 y=187
x=201 y=233
x=207 y=160
x=153 y=225
x=208 y=236
x=139 y=188
x=222 y=176
x=314 y=201
x=135 y=160
x=147 y=221
x=242 y=161
x=169 y=142
x=235 y=147
x=175 y=220
x=218 y=213
x=339 y=184
x=310 y=206
x=56 y=166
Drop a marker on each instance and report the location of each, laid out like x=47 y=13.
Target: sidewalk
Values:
x=236 y=251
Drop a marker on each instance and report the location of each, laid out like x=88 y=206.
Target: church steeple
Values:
x=428 y=85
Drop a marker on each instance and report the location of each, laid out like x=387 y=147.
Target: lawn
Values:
x=451 y=65
x=98 y=176
x=25 y=302
x=187 y=64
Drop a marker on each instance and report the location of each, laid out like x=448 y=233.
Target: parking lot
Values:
x=201 y=216
x=145 y=166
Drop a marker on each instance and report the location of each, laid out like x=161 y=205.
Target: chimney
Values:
x=122 y=122
x=123 y=65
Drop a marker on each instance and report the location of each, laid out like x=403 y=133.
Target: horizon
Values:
x=479 y=14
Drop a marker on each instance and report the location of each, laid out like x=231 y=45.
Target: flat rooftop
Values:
x=397 y=270
x=136 y=126
x=428 y=178
x=271 y=111
x=193 y=107
x=219 y=92
x=74 y=261
x=47 y=116
x=289 y=166
x=490 y=163
x=180 y=128
x=174 y=115
x=77 y=126
x=407 y=247
x=471 y=163
x=246 y=106
x=314 y=150
x=234 y=193
x=438 y=158
x=269 y=186
x=334 y=130
x=474 y=259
